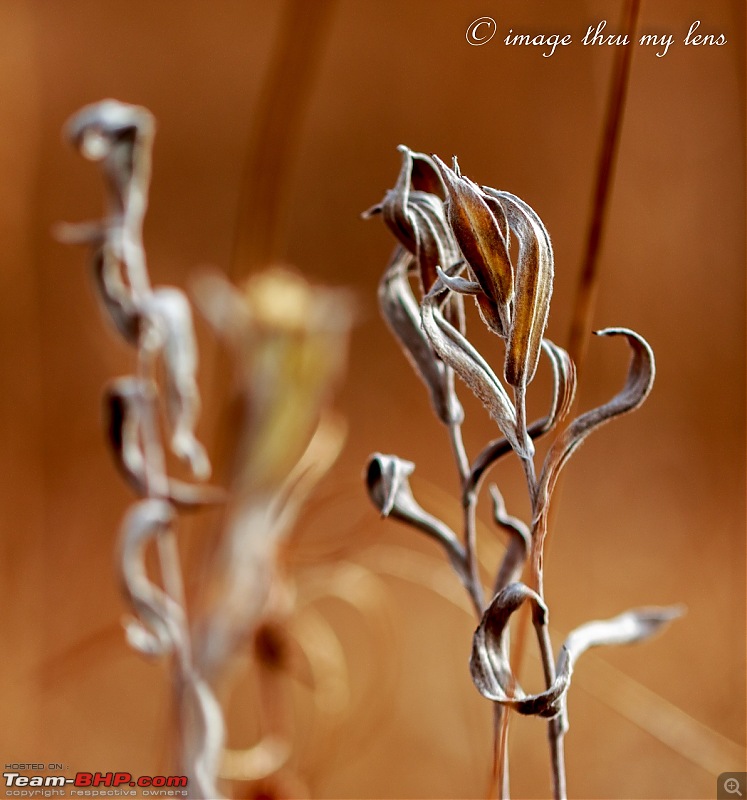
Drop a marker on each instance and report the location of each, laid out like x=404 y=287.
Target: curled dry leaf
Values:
x=315 y=462
x=264 y=758
x=564 y=384
x=169 y=329
x=123 y=401
x=491 y=671
x=637 y=386
x=160 y=619
x=456 y=351
x=414 y=212
x=632 y=626
x=119 y=136
x=400 y=311
x=160 y=628
x=489 y=665
x=115 y=296
x=519 y=543
x=389 y=489
x=387 y=484
x=564 y=389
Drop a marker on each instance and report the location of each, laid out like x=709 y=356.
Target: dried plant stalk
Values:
x=499 y=253
x=290 y=342
x=157 y=322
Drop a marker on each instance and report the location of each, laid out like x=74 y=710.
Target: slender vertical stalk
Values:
x=588 y=282
x=554 y=732
x=499 y=779
x=460 y=454
x=579 y=334
x=284 y=98
x=470 y=547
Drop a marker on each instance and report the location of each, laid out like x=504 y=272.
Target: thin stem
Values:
x=554 y=731
x=522 y=432
x=460 y=454
x=589 y=278
x=469 y=503
x=499 y=780
x=273 y=143
x=189 y=741
x=470 y=548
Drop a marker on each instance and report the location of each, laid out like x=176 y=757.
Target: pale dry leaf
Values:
x=638 y=384
x=491 y=671
x=123 y=401
x=456 y=351
x=160 y=619
x=519 y=544
x=169 y=330
x=400 y=311
x=389 y=489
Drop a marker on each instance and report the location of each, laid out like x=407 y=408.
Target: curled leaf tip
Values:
x=386 y=479
x=638 y=385
x=372 y=212
x=389 y=489
x=96 y=127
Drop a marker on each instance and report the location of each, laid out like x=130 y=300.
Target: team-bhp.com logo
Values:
x=93 y=784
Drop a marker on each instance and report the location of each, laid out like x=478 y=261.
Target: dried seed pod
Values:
x=533 y=290
x=482 y=240
x=291 y=341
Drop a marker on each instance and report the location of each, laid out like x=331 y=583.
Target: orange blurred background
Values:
x=292 y=112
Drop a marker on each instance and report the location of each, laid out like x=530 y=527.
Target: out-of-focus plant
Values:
x=290 y=344
x=457 y=239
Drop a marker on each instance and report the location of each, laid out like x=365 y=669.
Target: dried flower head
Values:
x=291 y=342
